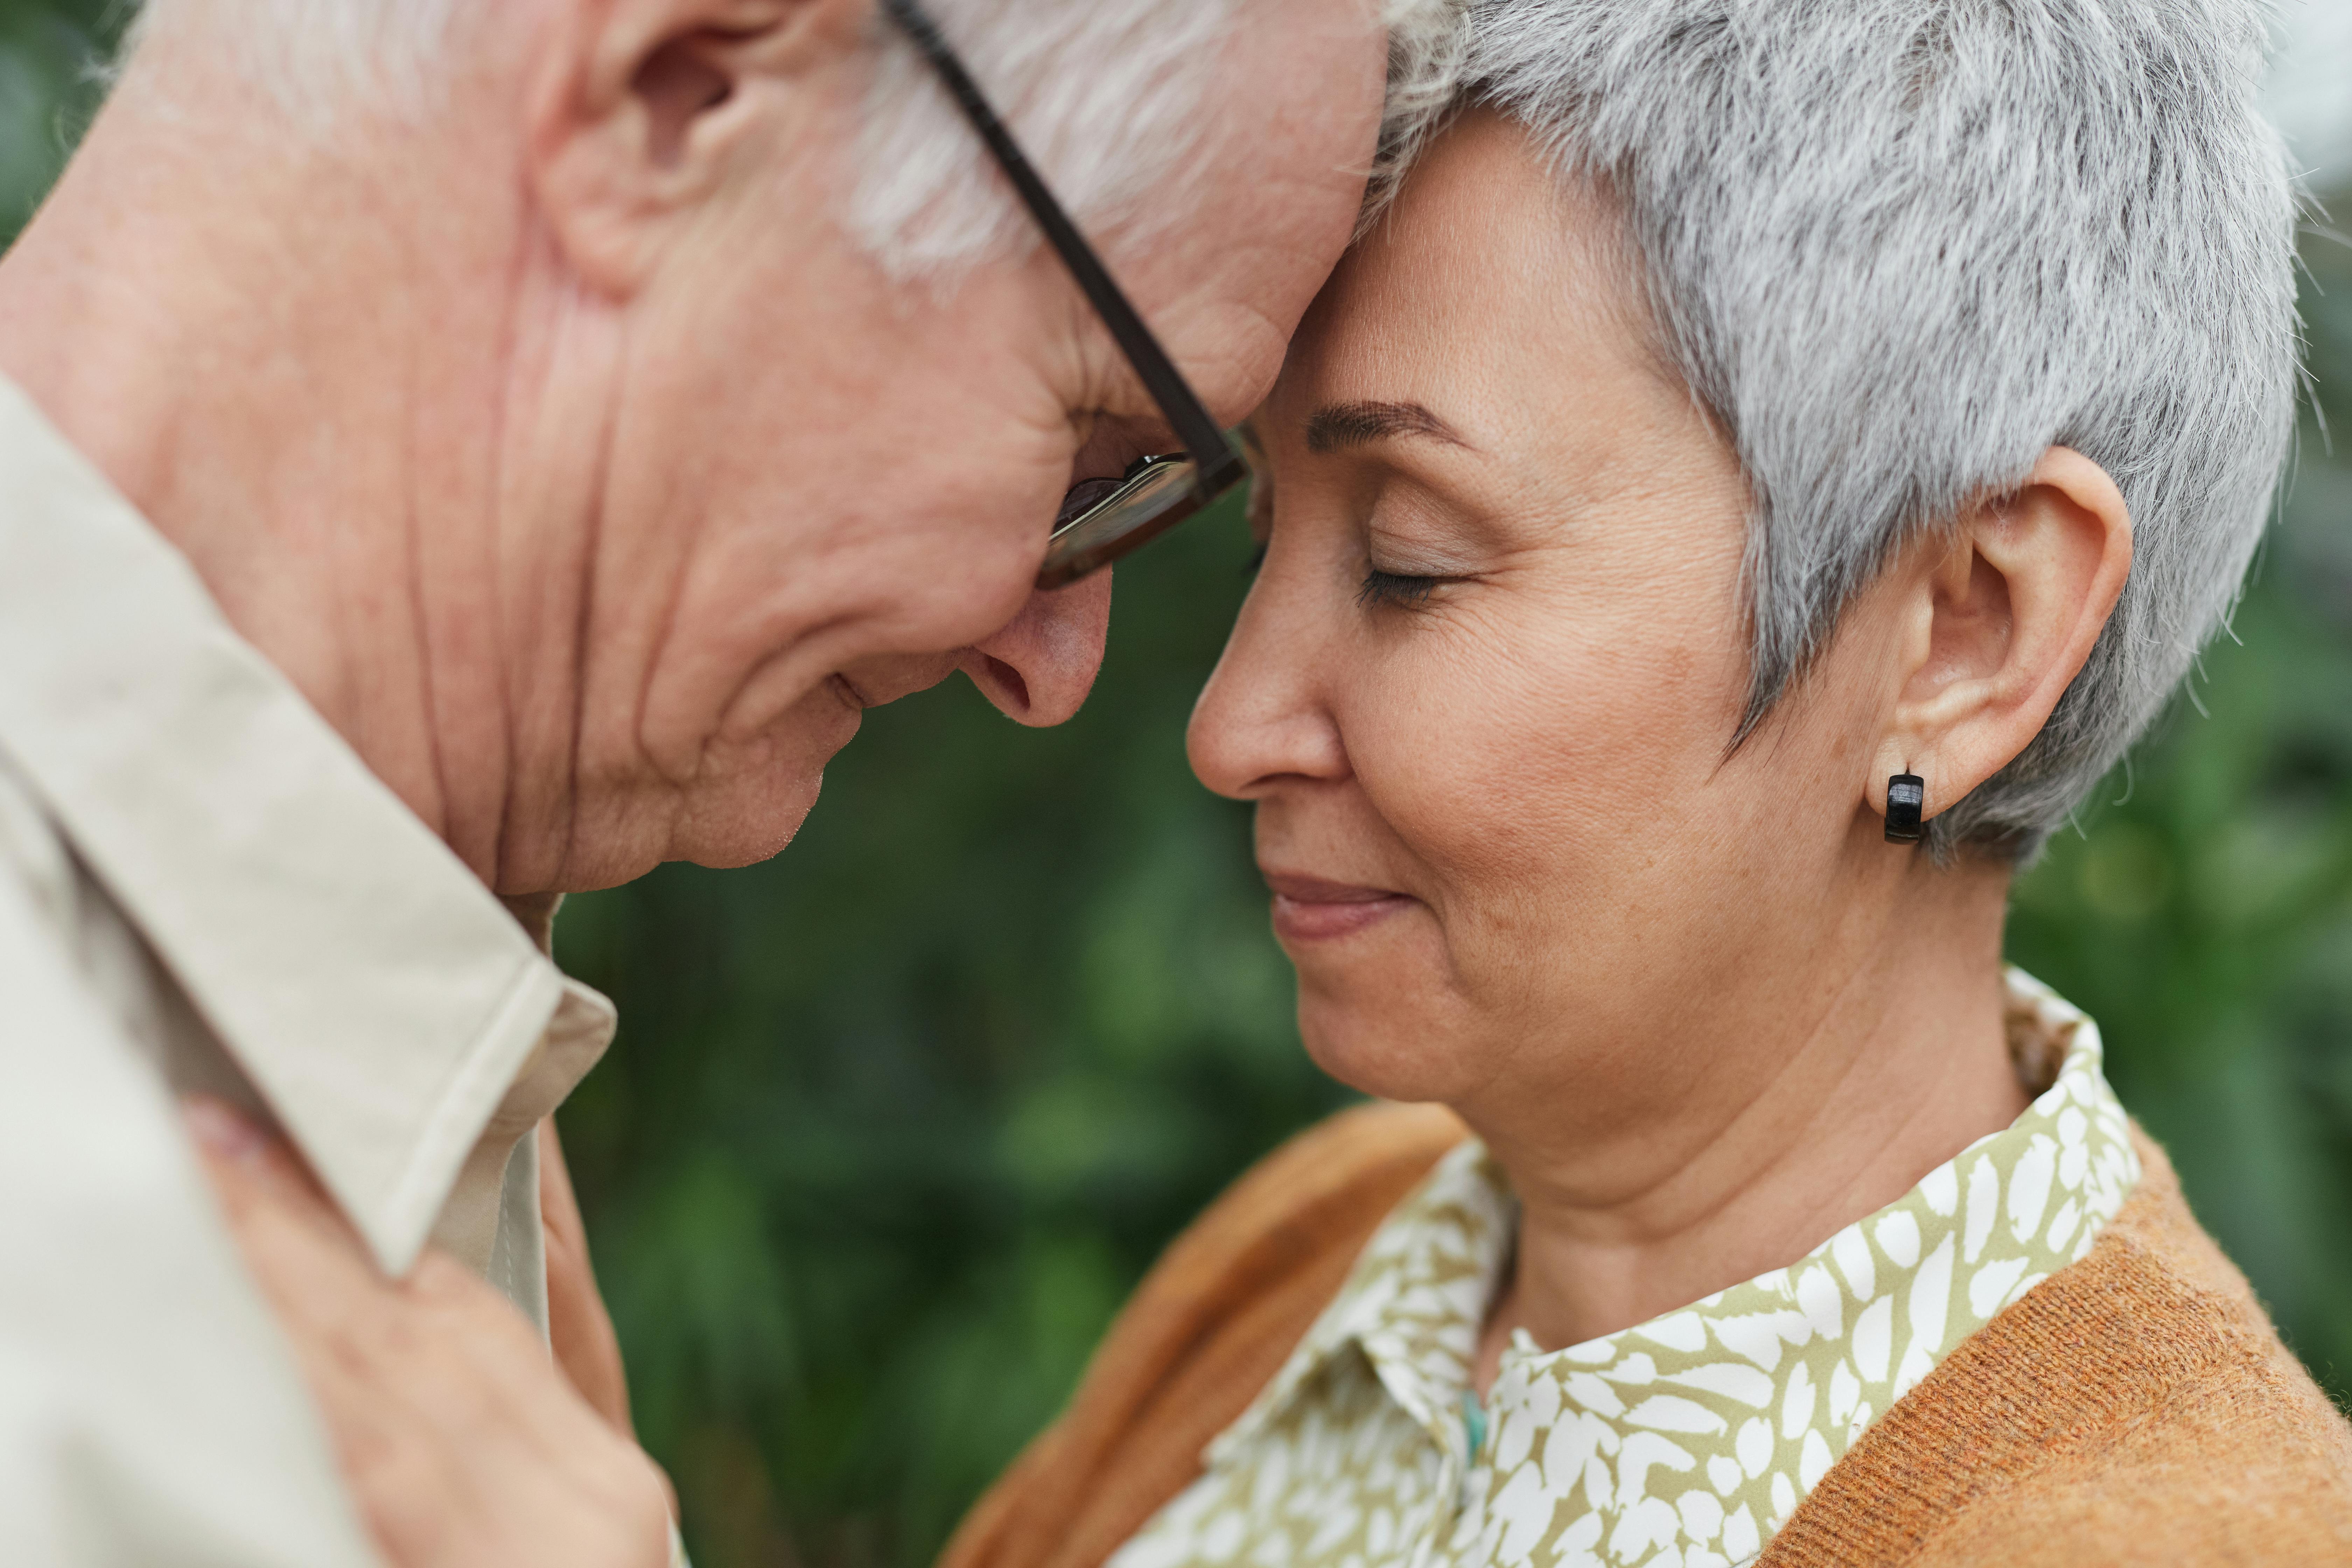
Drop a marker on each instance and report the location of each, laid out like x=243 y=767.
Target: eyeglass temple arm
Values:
x=1215 y=456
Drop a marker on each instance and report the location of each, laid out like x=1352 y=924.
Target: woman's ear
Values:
x=641 y=108
x=1998 y=623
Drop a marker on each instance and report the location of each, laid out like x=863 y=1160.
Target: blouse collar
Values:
x=1707 y=1424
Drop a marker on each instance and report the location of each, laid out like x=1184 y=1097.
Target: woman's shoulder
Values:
x=2137 y=1405
x=1212 y=1322
x=1331 y=1184
x=1306 y=1209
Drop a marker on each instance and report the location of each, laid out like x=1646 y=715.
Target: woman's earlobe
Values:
x=2004 y=617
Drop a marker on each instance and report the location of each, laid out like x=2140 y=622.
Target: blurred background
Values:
x=895 y=1121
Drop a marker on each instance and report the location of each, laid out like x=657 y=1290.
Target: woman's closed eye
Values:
x=1403 y=590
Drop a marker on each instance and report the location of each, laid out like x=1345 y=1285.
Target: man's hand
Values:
x=462 y=1443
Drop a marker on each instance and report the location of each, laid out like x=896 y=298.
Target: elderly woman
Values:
x=1765 y=468
x=1767 y=465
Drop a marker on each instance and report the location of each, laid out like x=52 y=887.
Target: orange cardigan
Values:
x=2134 y=1408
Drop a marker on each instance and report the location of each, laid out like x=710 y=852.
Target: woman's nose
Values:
x=1038 y=668
x=1262 y=719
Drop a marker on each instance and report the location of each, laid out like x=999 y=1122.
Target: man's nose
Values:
x=1040 y=666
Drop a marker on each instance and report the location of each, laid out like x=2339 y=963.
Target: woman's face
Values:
x=1483 y=689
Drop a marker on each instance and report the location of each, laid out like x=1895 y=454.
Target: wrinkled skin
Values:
x=637 y=479
x=582 y=471
x=1482 y=695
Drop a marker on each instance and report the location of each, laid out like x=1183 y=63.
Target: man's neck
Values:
x=283 y=414
x=1831 y=1101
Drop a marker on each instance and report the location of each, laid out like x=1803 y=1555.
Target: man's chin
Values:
x=744 y=832
x=744 y=805
x=742 y=823
x=753 y=795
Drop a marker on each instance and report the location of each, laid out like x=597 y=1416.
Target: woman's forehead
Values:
x=1486 y=291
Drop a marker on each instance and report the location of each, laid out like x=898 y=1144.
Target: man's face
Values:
x=823 y=489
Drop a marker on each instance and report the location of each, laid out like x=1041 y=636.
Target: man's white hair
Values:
x=314 y=57
x=1109 y=98
x=1899 y=247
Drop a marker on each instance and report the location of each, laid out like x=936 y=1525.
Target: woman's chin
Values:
x=1374 y=1056
x=1378 y=1017
x=1384 y=1047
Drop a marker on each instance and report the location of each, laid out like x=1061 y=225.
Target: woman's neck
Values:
x=1830 y=1099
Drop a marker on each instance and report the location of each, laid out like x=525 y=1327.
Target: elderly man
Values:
x=458 y=453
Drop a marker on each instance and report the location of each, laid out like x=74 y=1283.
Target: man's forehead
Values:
x=1270 y=199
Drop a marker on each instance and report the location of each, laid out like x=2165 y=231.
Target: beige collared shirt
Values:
x=202 y=887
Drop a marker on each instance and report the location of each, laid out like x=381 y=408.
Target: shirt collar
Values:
x=1751 y=1393
x=1413 y=1304
x=378 y=996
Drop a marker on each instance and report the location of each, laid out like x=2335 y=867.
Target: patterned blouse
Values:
x=1684 y=1442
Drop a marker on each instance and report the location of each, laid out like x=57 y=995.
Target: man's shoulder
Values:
x=148 y=1409
x=34 y=861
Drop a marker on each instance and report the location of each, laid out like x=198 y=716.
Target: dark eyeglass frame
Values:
x=1096 y=529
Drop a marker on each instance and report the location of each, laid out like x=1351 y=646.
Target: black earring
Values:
x=1905 y=793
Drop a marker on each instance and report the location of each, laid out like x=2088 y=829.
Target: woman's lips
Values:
x=1309 y=909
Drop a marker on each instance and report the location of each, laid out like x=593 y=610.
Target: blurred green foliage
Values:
x=49 y=85
x=2205 y=916
x=895 y=1120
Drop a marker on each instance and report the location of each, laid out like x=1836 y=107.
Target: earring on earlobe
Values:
x=1905 y=793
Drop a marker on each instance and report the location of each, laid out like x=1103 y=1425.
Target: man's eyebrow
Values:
x=1338 y=426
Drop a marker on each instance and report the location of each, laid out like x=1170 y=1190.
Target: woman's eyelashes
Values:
x=1400 y=589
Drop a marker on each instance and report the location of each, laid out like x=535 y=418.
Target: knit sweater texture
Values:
x=2134 y=1408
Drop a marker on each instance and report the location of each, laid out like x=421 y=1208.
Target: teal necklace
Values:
x=1473 y=1423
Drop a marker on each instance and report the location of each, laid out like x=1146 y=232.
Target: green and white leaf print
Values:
x=1684 y=1442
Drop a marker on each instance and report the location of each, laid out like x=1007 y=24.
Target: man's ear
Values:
x=641 y=107
x=1997 y=622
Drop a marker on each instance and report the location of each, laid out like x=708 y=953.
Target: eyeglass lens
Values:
x=1102 y=519
x=1096 y=526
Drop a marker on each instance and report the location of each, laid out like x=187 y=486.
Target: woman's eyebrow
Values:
x=1336 y=427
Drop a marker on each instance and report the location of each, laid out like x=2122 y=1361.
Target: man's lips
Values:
x=1311 y=909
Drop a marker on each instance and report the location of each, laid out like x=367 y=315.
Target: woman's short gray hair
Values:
x=1899 y=247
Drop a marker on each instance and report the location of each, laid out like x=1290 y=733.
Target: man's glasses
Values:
x=1101 y=520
